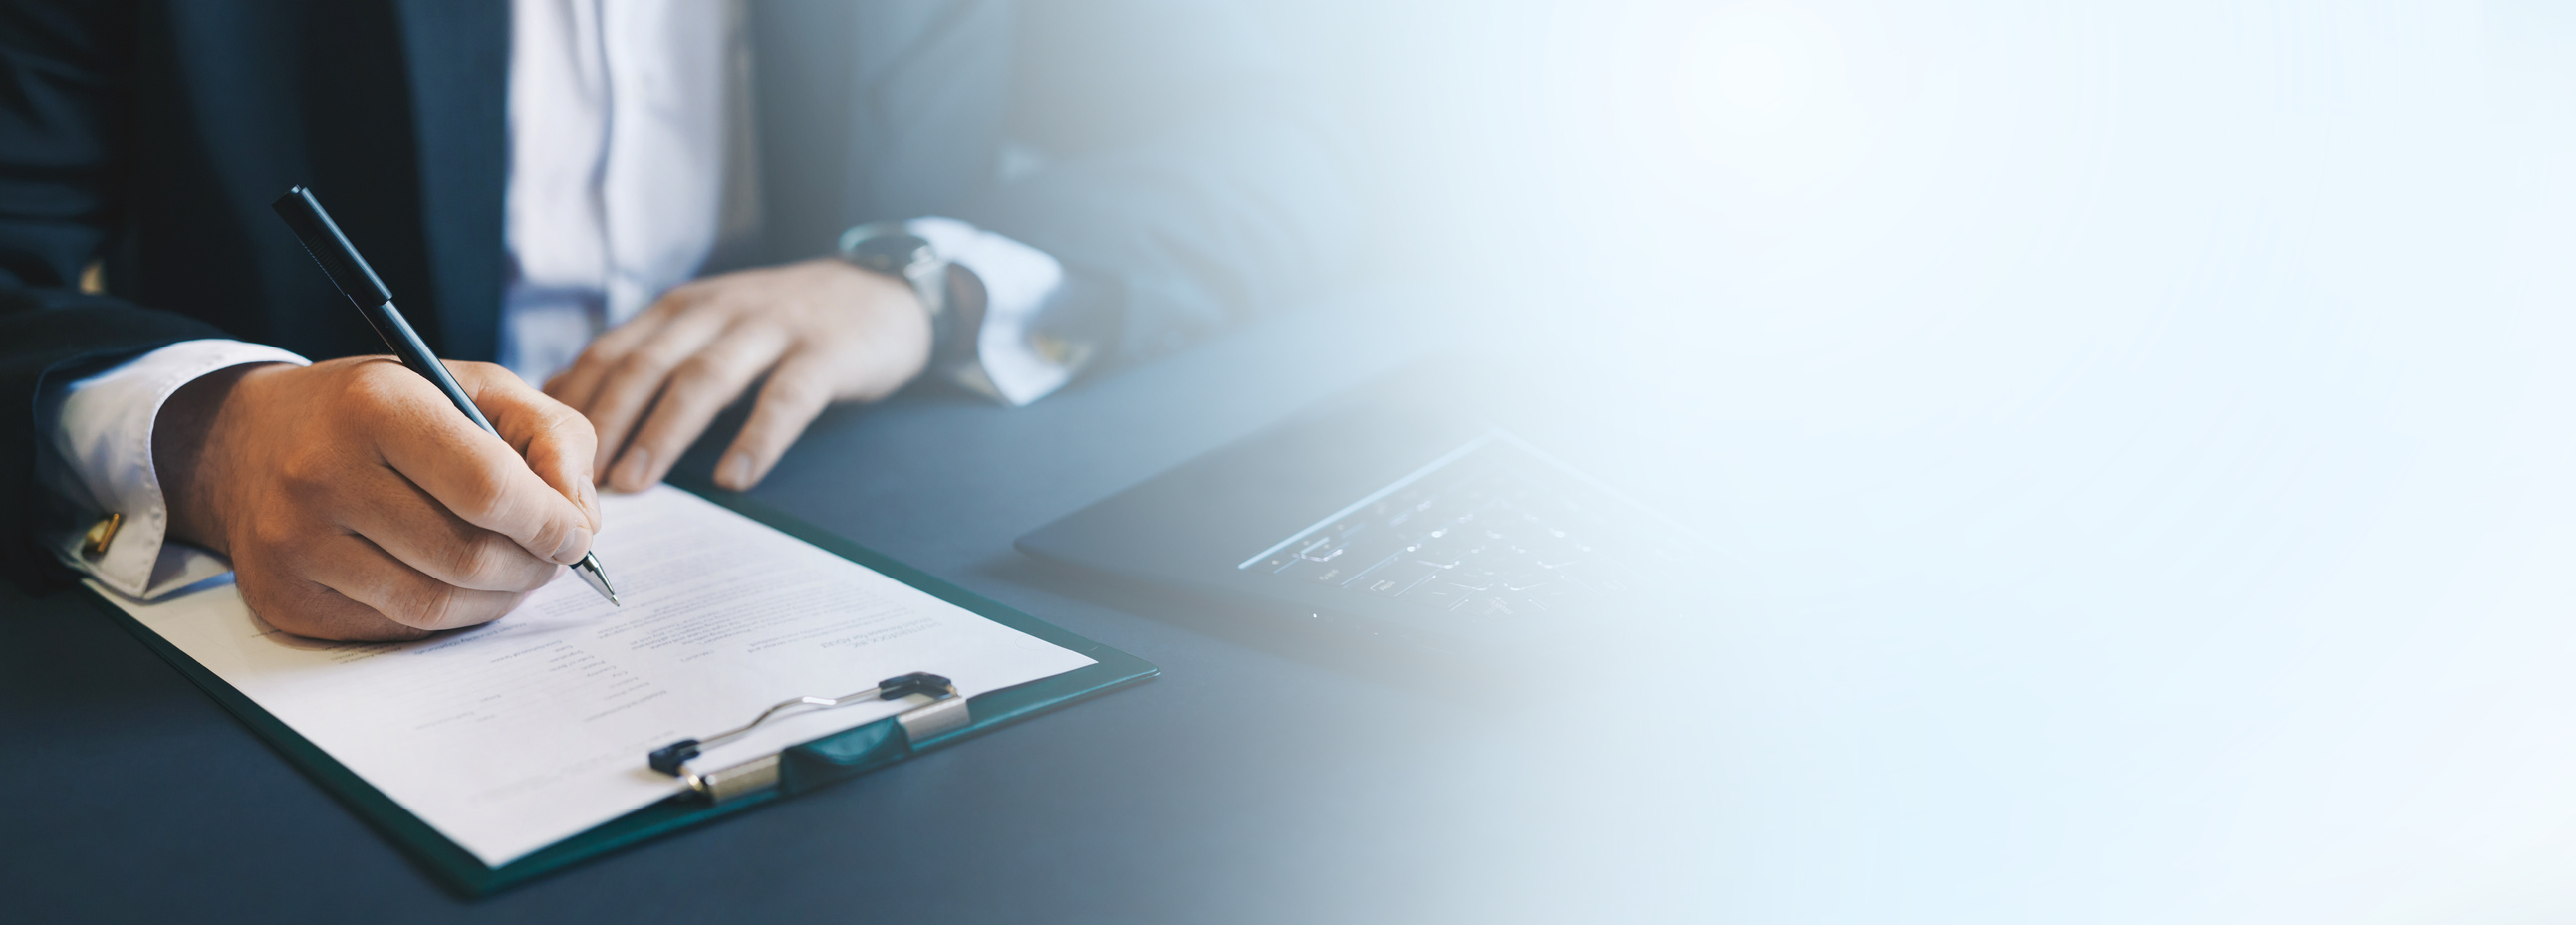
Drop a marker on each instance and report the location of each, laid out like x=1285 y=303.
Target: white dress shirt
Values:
x=627 y=164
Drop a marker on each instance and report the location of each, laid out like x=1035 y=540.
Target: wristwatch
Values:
x=888 y=248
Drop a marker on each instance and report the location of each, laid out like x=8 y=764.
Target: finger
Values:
x=622 y=398
x=305 y=608
x=577 y=384
x=797 y=391
x=363 y=572
x=470 y=472
x=556 y=441
x=406 y=522
x=696 y=391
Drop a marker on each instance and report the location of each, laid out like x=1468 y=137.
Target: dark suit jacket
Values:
x=1176 y=172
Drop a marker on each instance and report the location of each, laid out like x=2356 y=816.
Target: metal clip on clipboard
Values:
x=944 y=711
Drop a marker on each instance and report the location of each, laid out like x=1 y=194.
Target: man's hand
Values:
x=356 y=503
x=822 y=330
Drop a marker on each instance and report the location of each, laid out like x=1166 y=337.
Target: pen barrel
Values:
x=414 y=353
x=321 y=237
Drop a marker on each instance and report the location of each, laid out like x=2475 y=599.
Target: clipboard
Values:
x=818 y=763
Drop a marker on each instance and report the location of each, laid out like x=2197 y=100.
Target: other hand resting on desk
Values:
x=355 y=503
x=822 y=330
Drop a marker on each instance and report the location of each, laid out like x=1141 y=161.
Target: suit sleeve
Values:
x=1172 y=166
x=63 y=99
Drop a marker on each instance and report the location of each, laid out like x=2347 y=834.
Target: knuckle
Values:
x=590 y=363
x=371 y=389
x=785 y=407
x=699 y=370
x=639 y=362
x=795 y=392
x=663 y=353
x=481 y=495
x=559 y=419
x=683 y=296
x=381 y=371
x=446 y=609
x=441 y=607
x=426 y=605
x=267 y=533
x=486 y=561
x=641 y=369
x=305 y=476
x=550 y=532
x=555 y=415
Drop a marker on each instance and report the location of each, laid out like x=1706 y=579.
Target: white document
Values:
x=517 y=734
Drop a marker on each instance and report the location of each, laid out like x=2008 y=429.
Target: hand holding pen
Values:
x=349 y=272
x=356 y=502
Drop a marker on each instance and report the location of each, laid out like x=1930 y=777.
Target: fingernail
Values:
x=736 y=473
x=574 y=544
x=632 y=468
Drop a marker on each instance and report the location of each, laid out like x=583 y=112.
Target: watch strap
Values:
x=890 y=248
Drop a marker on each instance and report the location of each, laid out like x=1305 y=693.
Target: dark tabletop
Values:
x=1251 y=782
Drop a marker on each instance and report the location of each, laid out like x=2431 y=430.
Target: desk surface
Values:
x=2215 y=633
x=1243 y=785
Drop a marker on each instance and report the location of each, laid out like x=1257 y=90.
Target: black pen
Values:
x=349 y=272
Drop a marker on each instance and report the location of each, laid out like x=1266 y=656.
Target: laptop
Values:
x=1388 y=516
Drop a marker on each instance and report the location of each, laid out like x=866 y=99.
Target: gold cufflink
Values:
x=100 y=534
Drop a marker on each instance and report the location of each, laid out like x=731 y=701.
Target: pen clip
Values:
x=945 y=711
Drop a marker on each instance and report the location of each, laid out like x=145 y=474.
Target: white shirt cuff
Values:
x=98 y=457
x=1013 y=363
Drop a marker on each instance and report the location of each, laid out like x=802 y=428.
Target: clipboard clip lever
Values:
x=944 y=710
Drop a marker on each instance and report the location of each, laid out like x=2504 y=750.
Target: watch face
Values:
x=890 y=253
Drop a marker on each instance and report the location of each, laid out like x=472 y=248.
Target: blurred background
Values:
x=2133 y=445
x=2136 y=436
